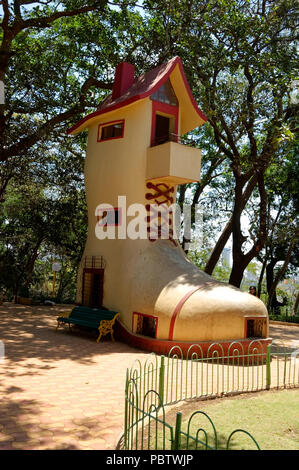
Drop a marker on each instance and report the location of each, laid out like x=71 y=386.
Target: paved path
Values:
x=62 y=390
x=285 y=335
x=59 y=390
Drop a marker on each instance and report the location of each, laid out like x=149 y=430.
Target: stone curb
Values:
x=287 y=323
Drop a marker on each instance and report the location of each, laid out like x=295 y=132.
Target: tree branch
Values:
x=282 y=270
x=6 y=13
x=17 y=10
x=262 y=232
x=226 y=233
x=27 y=142
x=250 y=123
x=47 y=20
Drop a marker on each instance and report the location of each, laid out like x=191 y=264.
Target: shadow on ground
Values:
x=20 y=427
x=29 y=333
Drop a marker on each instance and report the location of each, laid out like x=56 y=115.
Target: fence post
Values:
x=126 y=410
x=177 y=436
x=268 y=367
x=161 y=381
x=284 y=370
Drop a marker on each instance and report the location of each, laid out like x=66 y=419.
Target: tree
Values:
x=40 y=63
x=282 y=213
x=43 y=216
x=57 y=60
x=240 y=59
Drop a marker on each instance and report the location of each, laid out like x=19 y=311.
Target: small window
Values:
x=145 y=325
x=165 y=94
x=255 y=328
x=111 y=130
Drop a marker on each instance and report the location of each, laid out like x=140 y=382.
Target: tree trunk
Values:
x=237 y=273
x=259 y=288
x=196 y=196
x=238 y=238
x=218 y=248
x=226 y=233
x=269 y=282
x=241 y=260
x=182 y=191
x=61 y=284
x=31 y=263
x=296 y=305
x=283 y=269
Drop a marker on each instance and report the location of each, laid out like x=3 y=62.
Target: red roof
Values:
x=142 y=87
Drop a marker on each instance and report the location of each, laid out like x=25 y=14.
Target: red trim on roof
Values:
x=199 y=112
x=142 y=87
x=102 y=111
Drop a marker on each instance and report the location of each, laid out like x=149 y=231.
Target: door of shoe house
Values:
x=92 y=289
x=162 y=129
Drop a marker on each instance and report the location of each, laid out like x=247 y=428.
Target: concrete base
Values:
x=254 y=346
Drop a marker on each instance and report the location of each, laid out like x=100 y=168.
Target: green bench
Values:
x=103 y=320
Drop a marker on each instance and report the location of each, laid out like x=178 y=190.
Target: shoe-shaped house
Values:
x=133 y=151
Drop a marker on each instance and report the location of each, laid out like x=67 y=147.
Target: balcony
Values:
x=173 y=163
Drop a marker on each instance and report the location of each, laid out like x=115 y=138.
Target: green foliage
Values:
x=284 y=318
x=199 y=258
x=58 y=64
x=240 y=59
x=43 y=217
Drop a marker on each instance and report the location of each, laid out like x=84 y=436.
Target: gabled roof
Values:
x=142 y=87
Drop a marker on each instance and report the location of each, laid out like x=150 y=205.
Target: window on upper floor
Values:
x=111 y=130
x=165 y=94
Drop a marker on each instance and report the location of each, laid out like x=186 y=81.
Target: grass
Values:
x=271 y=417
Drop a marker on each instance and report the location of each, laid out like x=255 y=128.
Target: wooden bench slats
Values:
x=94 y=315
x=91 y=310
x=92 y=324
x=89 y=317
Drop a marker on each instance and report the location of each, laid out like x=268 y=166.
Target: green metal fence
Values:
x=162 y=381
